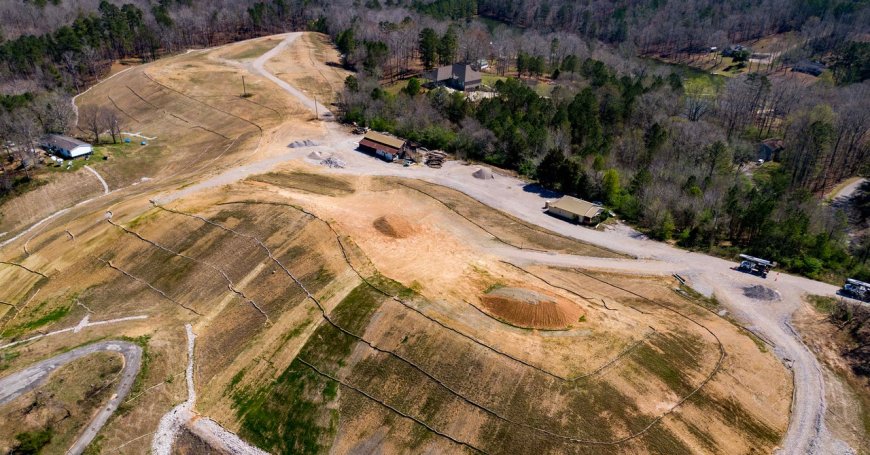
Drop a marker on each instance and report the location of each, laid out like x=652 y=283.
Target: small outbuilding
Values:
x=381 y=145
x=65 y=146
x=575 y=210
x=769 y=149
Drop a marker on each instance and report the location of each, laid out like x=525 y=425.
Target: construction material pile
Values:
x=303 y=143
x=334 y=162
x=435 y=159
x=760 y=292
x=483 y=173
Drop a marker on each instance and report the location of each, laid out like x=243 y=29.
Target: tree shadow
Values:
x=541 y=191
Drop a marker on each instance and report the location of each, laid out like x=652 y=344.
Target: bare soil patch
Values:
x=504 y=227
x=531 y=309
x=311 y=183
x=394 y=226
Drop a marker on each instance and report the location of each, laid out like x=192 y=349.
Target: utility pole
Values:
x=244 y=88
x=316 y=113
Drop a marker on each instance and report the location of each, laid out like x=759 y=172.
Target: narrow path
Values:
x=172 y=421
x=100 y=178
x=183 y=415
x=19 y=383
x=83 y=324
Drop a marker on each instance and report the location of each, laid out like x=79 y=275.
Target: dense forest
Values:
x=577 y=103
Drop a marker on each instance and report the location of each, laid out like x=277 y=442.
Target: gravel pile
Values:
x=304 y=143
x=483 y=174
x=333 y=162
x=760 y=292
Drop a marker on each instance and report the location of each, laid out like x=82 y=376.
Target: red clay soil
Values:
x=530 y=309
x=394 y=226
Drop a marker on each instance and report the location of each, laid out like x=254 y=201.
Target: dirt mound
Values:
x=530 y=309
x=305 y=143
x=316 y=156
x=760 y=292
x=394 y=226
x=483 y=173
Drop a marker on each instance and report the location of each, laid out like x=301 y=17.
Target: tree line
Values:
x=640 y=143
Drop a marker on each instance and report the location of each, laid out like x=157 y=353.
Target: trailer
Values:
x=755 y=266
x=855 y=289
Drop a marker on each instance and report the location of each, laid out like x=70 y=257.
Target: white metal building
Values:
x=66 y=146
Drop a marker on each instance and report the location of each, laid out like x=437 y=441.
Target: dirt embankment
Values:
x=531 y=309
x=853 y=319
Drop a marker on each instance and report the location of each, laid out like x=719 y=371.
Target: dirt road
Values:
x=258 y=67
x=848 y=190
x=32 y=377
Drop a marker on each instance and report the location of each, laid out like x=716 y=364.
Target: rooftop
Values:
x=384 y=139
x=577 y=206
x=64 y=142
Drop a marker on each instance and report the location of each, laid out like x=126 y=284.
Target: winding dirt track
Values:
x=19 y=383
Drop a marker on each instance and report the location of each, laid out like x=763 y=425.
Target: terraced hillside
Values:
x=356 y=313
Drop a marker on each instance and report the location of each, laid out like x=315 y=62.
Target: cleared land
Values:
x=346 y=313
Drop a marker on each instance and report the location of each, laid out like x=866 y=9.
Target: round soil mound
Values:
x=530 y=309
x=483 y=174
x=760 y=292
x=316 y=155
x=394 y=226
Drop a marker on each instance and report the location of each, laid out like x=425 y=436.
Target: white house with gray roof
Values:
x=65 y=146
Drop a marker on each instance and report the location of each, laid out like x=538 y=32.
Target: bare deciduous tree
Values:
x=91 y=121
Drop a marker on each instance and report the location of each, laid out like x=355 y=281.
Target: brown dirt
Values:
x=531 y=309
x=633 y=376
x=847 y=395
x=394 y=226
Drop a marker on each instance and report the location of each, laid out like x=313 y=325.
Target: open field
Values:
x=372 y=308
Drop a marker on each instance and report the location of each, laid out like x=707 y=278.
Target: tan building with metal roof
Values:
x=386 y=147
x=576 y=210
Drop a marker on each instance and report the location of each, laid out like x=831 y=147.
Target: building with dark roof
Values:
x=457 y=76
x=387 y=147
x=66 y=146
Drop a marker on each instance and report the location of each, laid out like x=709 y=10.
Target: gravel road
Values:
x=16 y=384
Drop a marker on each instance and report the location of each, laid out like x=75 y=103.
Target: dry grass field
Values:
x=356 y=314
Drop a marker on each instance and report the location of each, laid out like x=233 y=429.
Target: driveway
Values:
x=30 y=378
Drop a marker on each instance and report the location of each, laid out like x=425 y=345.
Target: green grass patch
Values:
x=52 y=315
x=823 y=304
x=32 y=442
x=396 y=87
x=6 y=357
x=490 y=79
x=144 y=368
x=290 y=414
x=95 y=447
